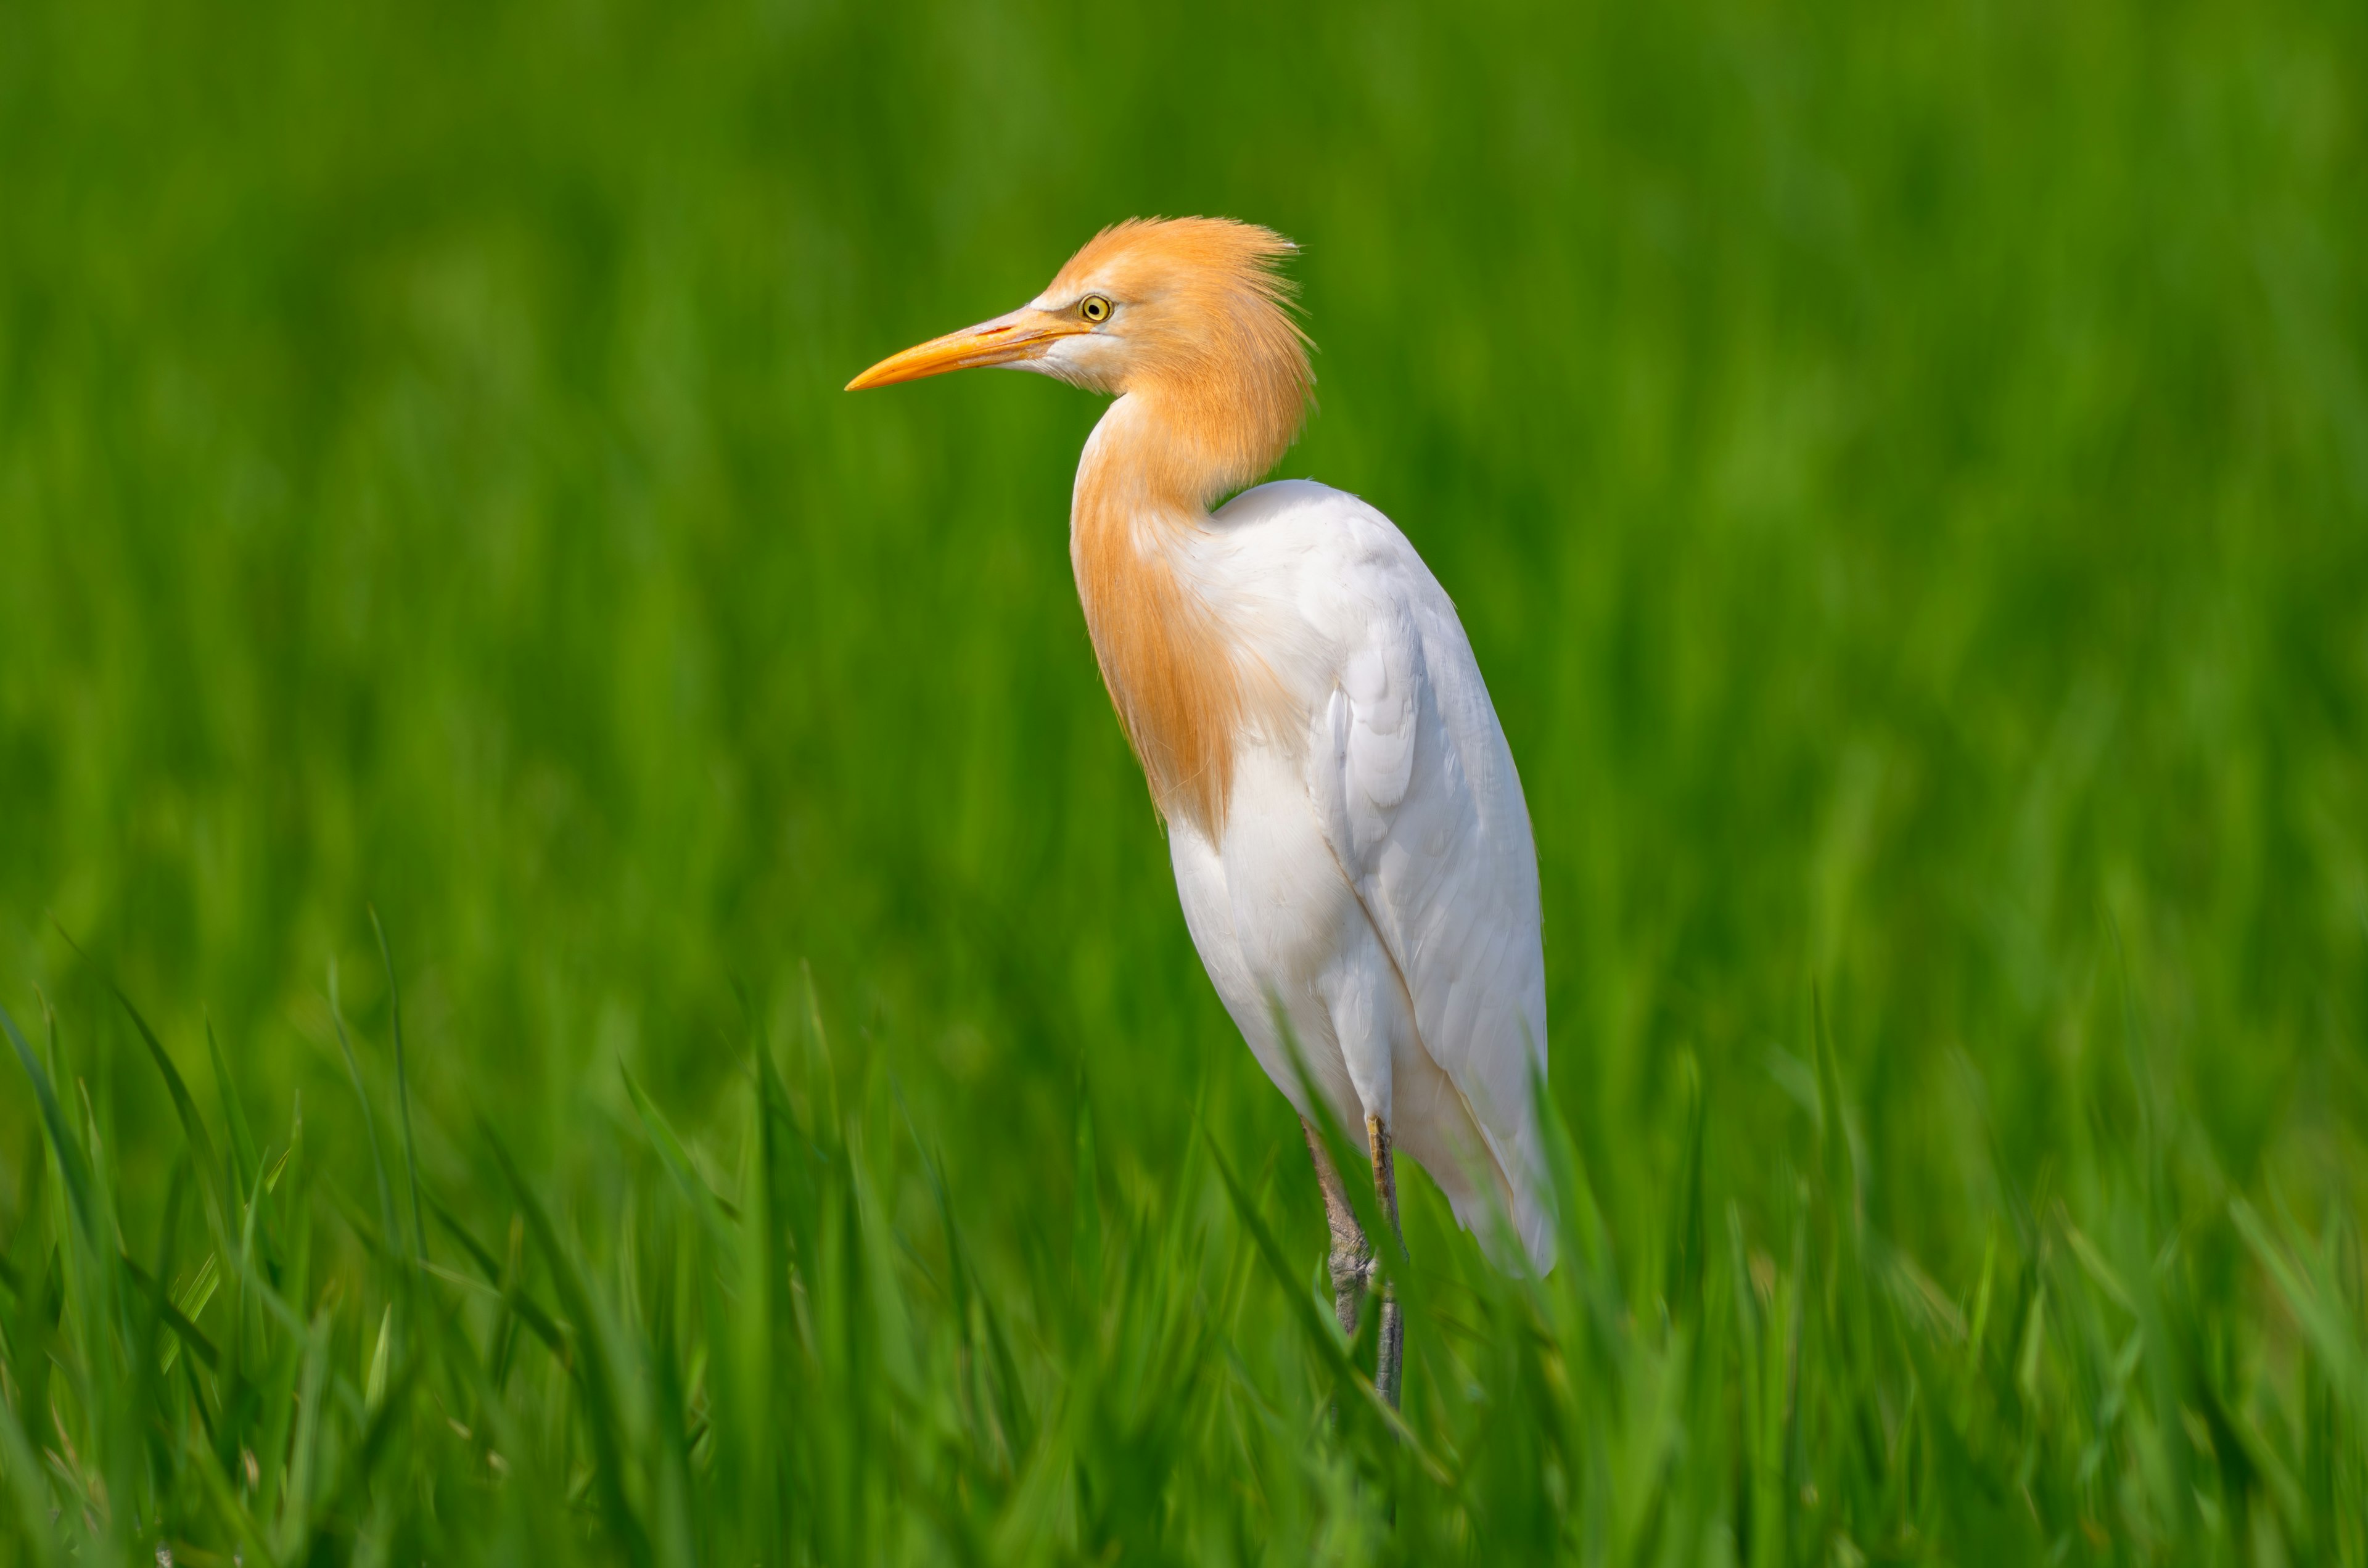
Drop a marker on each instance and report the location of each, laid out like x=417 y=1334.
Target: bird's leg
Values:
x=1389 y=1371
x=1352 y=1259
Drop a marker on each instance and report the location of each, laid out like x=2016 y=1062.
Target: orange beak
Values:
x=1026 y=333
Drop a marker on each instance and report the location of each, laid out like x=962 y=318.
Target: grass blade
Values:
x=219 y=1205
x=242 y=1141
x=370 y=1123
x=402 y=1086
x=603 y=1416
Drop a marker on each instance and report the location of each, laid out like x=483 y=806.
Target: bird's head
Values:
x=1189 y=314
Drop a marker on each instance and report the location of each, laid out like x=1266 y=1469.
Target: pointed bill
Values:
x=1025 y=333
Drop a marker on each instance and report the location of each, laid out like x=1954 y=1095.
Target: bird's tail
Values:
x=1533 y=1210
x=1511 y=1208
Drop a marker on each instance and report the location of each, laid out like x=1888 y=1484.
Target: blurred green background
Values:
x=1904 y=470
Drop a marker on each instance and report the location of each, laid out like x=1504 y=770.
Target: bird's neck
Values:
x=1140 y=509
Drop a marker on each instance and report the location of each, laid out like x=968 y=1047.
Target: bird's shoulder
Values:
x=1339 y=556
x=1307 y=512
x=1337 y=597
x=1345 y=611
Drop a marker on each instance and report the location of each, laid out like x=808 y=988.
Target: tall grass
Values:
x=776 y=1367
x=1905 y=476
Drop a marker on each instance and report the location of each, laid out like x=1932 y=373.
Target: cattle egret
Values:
x=1351 y=844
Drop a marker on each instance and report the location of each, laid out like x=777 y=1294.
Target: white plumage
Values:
x=1375 y=877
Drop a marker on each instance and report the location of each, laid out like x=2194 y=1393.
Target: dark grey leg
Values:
x=1389 y=1373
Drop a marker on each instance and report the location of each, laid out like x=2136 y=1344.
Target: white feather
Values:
x=1375 y=881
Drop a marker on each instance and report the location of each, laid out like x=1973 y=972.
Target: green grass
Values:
x=1904 y=470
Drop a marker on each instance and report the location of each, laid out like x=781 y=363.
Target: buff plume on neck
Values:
x=1188 y=323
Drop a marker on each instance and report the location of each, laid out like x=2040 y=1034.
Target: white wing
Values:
x=1423 y=808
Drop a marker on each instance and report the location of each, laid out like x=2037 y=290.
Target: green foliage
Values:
x=1905 y=473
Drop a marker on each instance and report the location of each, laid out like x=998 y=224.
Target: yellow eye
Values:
x=1093 y=307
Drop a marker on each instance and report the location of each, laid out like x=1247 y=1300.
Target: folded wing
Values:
x=1424 y=810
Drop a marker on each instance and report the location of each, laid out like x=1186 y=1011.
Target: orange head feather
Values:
x=1200 y=326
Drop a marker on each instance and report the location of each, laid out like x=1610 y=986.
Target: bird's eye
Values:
x=1093 y=307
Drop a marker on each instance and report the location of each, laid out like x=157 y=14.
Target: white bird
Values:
x=1351 y=844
